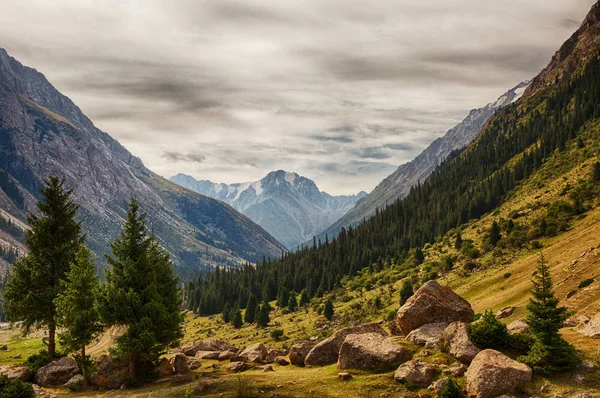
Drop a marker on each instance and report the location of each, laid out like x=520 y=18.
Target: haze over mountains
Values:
x=399 y=183
x=290 y=207
x=44 y=133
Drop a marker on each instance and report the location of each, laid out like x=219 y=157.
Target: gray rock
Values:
x=255 y=353
x=16 y=372
x=505 y=312
x=75 y=383
x=56 y=372
x=370 y=351
x=592 y=328
x=458 y=344
x=237 y=366
x=344 y=376
x=179 y=362
x=298 y=352
x=519 y=326
x=428 y=335
x=415 y=372
x=492 y=374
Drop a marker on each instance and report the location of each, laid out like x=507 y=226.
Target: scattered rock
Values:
x=208 y=354
x=4 y=347
x=326 y=352
x=298 y=352
x=370 y=351
x=179 y=362
x=16 y=372
x=579 y=379
x=456 y=370
x=428 y=335
x=181 y=379
x=274 y=353
x=505 y=312
x=583 y=320
x=588 y=366
x=433 y=303
x=415 y=372
x=268 y=368
x=438 y=385
x=281 y=361
x=592 y=328
x=193 y=363
x=492 y=374
x=255 y=353
x=458 y=344
x=75 y=383
x=237 y=366
x=226 y=355
x=56 y=372
x=165 y=368
x=344 y=376
x=18 y=356
x=203 y=386
x=190 y=349
x=519 y=326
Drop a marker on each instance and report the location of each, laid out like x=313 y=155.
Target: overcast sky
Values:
x=341 y=91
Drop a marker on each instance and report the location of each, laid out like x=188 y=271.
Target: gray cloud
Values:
x=340 y=91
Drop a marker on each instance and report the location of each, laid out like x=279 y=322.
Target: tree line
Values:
x=512 y=146
x=55 y=285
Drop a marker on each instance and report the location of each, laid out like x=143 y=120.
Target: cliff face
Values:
x=44 y=133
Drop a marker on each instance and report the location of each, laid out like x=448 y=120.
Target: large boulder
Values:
x=428 y=335
x=326 y=352
x=16 y=372
x=458 y=344
x=370 y=351
x=273 y=353
x=299 y=351
x=111 y=373
x=56 y=372
x=433 y=303
x=493 y=374
x=179 y=362
x=255 y=353
x=592 y=328
x=415 y=372
x=190 y=349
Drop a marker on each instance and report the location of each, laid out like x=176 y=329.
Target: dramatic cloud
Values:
x=341 y=91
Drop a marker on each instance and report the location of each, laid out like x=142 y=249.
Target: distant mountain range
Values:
x=290 y=207
x=398 y=184
x=44 y=133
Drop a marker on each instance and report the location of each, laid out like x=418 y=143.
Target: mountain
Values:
x=398 y=184
x=530 y=177
x=290 y=207
x=43 y=133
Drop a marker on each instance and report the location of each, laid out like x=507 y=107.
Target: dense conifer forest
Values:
x=469 y=184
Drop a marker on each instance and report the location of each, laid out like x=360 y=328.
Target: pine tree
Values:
x=550 y=353
x=250 y=313
x=459 y=241
x=328 y=311
x=141 y=294
x=293 y=302
x=76 y=307
x=283 y=298
x=596 y=172
x=406 y=292
x=263 y=316
x=304 y=300
x=494 y=234
x=236 y=321
x=226 y=312
x=35 y=280
x=418 y=257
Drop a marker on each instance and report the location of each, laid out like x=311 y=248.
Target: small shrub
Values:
x=520 y=342
x=391 y=315
x=488 y=332
x=42 y=358
x=585 y=283
x=451 y=390
x=507 y=275
x=14 y=388
x=276 y=334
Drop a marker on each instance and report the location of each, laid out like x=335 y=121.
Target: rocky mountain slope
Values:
x=290 y=207
x=398 y=184
x=44 y=133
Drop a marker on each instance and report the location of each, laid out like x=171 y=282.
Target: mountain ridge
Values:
x=42 y=133
x=289 y=206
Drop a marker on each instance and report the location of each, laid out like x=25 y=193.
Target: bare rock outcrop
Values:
x=370 y=351
x=458 y=344
x=592 y=328
x=433 y=303
x=493 y=374
x=327 y=351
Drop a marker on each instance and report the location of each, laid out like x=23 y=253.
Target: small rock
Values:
x=298 y=352
x=281 y=361
x=344 y=376
x=237 y=366
x=588 y=366
x=268 y=368
x=75 y=383
x=16 y=372
x=203 y=386
x=4 y=347
x=179 y=362
x=208 y=354
x=255 y=353
x=505 y=312
x=592 y=328
x=226 y=355
x=458 y=344
x=579 y=379
x=18 y=356
x=428 y=335
x=416 y=372
x=456 y=370
x=438 y=385
x=181 y=379
x=519 y=326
